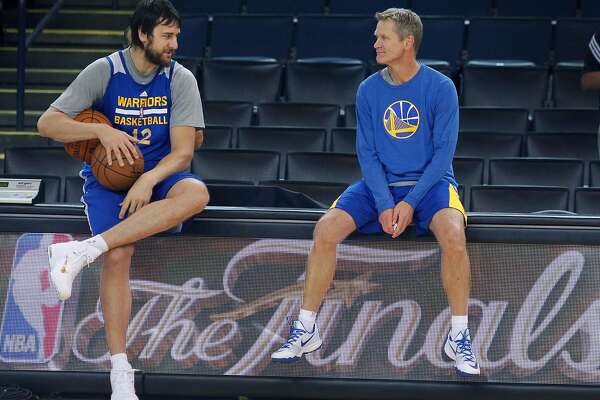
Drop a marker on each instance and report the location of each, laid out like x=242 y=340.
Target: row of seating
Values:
x=450 y=39
x=550 y=8
x=334 y=81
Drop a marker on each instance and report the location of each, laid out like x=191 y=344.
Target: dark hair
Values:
x=150 y=13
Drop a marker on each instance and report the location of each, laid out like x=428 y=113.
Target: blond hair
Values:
x=407 y=22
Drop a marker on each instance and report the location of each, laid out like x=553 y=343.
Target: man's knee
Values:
x=193 y=194
x=119 y=257
x=331 y=229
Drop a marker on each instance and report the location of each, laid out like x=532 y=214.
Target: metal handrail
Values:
x=24 y=43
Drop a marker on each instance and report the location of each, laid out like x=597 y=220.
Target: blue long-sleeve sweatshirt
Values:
x=406 y=132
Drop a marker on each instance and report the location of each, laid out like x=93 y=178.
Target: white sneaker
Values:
x=122 y=384
x=299 y=343
x=459 y=350
x=66 y=261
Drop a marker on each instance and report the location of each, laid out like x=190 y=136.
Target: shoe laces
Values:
x=295 y=334
x=84 y=254
x=463 y=346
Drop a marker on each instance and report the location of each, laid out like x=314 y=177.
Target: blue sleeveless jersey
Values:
x=143 y=111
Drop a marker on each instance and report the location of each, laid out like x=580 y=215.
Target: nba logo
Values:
x=31 y=322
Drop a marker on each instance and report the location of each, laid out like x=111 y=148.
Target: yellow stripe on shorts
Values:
x=454 y=201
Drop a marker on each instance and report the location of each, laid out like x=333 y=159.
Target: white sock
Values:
x=459 y=323
x=98 y=242
x=307 y=318
x=119 y=361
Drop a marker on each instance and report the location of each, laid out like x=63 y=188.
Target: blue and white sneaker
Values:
x=299 y=343
x=459 y=350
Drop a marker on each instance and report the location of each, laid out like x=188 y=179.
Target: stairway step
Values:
x=40 y=57
x=35 y=99
x=70 y=37
x=40 y=76
x=8 y=118
x=75 y=18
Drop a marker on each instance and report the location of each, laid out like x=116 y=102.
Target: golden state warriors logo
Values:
x=401 y=119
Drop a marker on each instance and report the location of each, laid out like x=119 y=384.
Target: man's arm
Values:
x=590 y=79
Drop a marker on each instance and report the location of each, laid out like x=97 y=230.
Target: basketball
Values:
x=114 y=177
x=82 y=150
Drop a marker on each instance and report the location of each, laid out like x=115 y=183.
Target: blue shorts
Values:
x=102 y=205
x=357 y=200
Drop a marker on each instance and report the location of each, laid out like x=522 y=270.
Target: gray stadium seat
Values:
x=566 y=87
x=217 y=137
x=323 y=192
x=455 y=7
x=595 y=173
x=583 y=146
x=298 y=114
x=566 y=120
x=350 y=116
x=241 y=79
x=322 y=167
x=468 y=171
x=536 y=171
x=236 y=165
x=518 y=199
x=73 y=189
x=533 y=8
x=502 y=120
x=325 y=81
x=251 y=35
x=587 y=201
x=227 y=113
x=16 y=139
x=488 y=144
x=343 y=140
x=504 y=86
x=500 y=38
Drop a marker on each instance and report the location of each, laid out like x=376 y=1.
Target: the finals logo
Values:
x=401 y=119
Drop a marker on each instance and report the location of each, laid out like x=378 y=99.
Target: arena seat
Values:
x=236 y=165
x=533 y=8
x=587 y=201
x=252 y=36
x=350 y=116
x=583 y=146
x=590 y=8
x=284 y=6
x=193 y=38
x=536 y=171
x=504 y=120
x=488 y=144
x=230 y=113
x=207 y=6
x=217 y=137
x=73 y=189
x=343 y=140
x=443 y=39
x=254 y=80
x=566 y=120
x=298 y=114
x=364 y=7
x=323 y=192
x=518 y=199
x=572 y=36
x=322 y=167
x=51 y=185
x=566 y=88
x=326 y=81
x=455 y=7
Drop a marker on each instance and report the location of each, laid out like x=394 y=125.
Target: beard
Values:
x=155 y=57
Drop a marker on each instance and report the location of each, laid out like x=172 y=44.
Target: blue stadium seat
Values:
x=298 y=114
x=566 y=120
x=454 y=7
x=193 y=38
x=364 y=7
x=227 y=113
x=246 y=80
x=520 y=39
x=503 y=120
x=590 y=8
x=284 y=6
x=207 y=6
x=572 y=38
x=518 y=199
x=326 y=81
x=587 y=201
x=251 y=35
x=488 y=144
x=442 y=39
x=566 y=88
x=335 y=36
x=533 y=8
x=504 y=86
x=583 y=146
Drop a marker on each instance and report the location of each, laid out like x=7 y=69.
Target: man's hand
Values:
x=401 y=218
x=117 y=142
x=385 y=219
x=137 y=197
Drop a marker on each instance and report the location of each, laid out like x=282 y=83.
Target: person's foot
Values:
x=122 y=384
x=459 y=350
x=299 y=342
x=66 y=261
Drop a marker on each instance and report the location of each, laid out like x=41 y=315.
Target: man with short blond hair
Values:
x=407 y=128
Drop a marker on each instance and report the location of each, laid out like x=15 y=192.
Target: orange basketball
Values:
x=115 y=177
x=82 y=150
